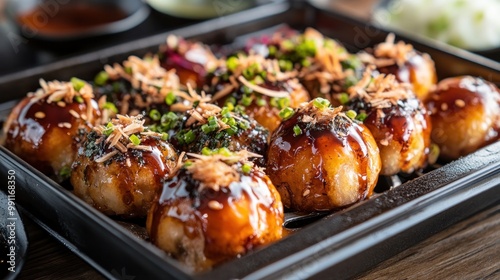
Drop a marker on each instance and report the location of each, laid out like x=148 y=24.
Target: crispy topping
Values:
x=146 y=75
x=262 y=90
x=64 y=92
x=189 y=100
x=388 y=53
x=123 y=133
x=317 y=110
x=382 y=91
x=219 y=169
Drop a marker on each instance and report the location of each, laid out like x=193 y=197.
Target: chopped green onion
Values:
x=170 y=98
x=286 y=113
x=155 y=115
x=224 y=151
x=79 y=99
x=231 y=121
x=283 y=102
x=246 y=168
x=230 y=100
x=65 y=172
x=109 y=129
x=189 y=137
x=243 y=125
x=306 y=48
x=232 y=63
x=296 y=130
x=128 y=70
x=305 y=62
x=343 y=98
x=285 y=65
x=361 y=116
x=287 y=45
x=321 y=103
x=232 y=130
x=206 y=128
x=261 y=102
x=134 y=139
x=101 y=78
x=110 y=106
x=206 y=151
x=246 y=100
x=351 y=114
x=350 y=81
x=272 y=50
x=258 y=80
x=78 y=84
x=164 y=136
x=225 y=112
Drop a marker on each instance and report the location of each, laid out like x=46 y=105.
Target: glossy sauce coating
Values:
x=418 y=70
x=465 y=115
x=402 y=133
x=126 y=184
x=207 y=227
x=323 y=168
x=47 y=135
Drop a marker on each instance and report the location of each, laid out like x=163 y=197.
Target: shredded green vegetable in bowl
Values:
x=468 y=24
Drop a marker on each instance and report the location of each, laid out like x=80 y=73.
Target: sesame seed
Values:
x=39 y=115
x=64 y=124
x=306 y=192
x=129 y=164
x=61 y=104
x=460 y=103
x=215 y=205
x=83 y=116
x=444 y=106
x=74 y=113
x=384 y=142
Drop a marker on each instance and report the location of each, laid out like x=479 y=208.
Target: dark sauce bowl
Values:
x=13 y=239
x=70 y=20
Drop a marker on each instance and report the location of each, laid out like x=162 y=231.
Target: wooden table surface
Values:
x=467 y=250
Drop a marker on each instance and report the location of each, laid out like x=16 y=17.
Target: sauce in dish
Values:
x=70 y=18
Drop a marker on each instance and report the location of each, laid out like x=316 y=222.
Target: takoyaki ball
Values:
x=215 y=208
x=191 y=60
x=397 y=119
x=121 y=166
x=407 y=64
x=46 y=128
x=319 y=159
x=207 y=126
x=258 y=87
x=465 y=113
x=135 y=86
x=325 y=67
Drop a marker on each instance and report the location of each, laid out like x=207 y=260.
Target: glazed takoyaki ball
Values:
x=120 y=175
x=256 y=86
x=213 y=209
x=319 y=159
x=197 y=125
x=407 y=65
x=46 y=128
x=398 y=121
x=135 y=86
x=465 y=113
x=221 y=128
x=192 y=61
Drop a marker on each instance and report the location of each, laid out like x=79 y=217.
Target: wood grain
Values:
x=467 y=250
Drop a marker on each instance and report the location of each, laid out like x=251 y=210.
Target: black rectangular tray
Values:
x=339 y=245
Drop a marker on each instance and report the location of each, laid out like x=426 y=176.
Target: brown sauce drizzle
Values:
x=70 y=18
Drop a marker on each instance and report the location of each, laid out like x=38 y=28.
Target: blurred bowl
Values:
x=199 y=9
x=466 y=24
x=75 y=19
